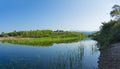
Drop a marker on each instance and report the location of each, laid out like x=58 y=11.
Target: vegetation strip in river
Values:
x=46 y=41
x=41 y=37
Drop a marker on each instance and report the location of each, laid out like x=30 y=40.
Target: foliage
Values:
x=108 y=34
x=115 y=12
x=109 y=31
x=45 y=41
x=42 y=37
x=42 y=33
x=3 y=34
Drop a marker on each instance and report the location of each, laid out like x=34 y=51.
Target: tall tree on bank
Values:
x=115 y=12
x=109 y=31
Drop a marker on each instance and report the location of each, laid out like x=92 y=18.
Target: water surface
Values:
x=78 y=55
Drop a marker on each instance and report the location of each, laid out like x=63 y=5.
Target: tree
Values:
x=3 y=34
x=115 y=12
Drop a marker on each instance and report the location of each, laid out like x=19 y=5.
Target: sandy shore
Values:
x=110 y=57
x=3 y=38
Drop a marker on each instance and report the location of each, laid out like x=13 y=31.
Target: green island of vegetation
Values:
x=41 y=37
x=110 y=31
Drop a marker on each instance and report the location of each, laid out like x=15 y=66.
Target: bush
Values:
x=109 y=33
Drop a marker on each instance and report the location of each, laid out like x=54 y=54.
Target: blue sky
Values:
x=83 y=15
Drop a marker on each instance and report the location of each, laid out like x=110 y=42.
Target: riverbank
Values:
x=110 y=57
x=11 y=38
x=45 y=41
x=41 y=37
x=5 y=38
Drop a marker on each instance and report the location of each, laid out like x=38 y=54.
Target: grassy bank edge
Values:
x=45 y=41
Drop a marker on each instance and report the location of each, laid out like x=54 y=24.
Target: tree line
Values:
x=42 y=33
x=109 y=31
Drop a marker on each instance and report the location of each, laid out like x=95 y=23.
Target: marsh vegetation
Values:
x=41 y=37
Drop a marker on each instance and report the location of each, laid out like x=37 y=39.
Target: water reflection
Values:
x=49 y=43
x=79 y=55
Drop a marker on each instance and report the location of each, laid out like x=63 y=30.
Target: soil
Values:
x=110 y=57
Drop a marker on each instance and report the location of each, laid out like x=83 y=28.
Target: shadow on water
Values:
x=79 y=55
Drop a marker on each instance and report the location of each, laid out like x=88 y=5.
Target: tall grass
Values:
x=45 y=41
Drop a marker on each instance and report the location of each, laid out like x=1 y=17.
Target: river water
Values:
x=78 y=55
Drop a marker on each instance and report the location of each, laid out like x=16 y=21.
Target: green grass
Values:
x=41 y=37
x=45 y=41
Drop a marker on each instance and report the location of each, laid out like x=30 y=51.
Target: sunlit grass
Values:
x=45 y=41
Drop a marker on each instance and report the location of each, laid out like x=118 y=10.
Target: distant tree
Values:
x=59 y=31
x=115 y=12
x=4 y=34
x=41 y=33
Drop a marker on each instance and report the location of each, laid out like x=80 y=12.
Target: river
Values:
x=78 y=55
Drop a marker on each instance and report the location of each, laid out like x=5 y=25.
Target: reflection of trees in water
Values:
x=47 y=43
x=71 y=58
x=94 y=48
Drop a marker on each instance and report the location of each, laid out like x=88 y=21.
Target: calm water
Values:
x=79 y=55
